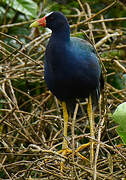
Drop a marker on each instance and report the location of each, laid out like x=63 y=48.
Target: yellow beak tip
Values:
x=34 y=24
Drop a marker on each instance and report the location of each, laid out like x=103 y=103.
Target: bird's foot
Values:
x=64 y=151
x=80 y=148
x=67 y=151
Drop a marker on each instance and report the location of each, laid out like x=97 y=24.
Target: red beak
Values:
x=40 y=22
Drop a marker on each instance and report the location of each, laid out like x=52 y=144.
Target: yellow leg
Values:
x=65 y=150
x=65 y=115
x=91 y=119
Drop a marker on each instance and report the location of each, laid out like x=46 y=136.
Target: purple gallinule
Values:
x=72 y=70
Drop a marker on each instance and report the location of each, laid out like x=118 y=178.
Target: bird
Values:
x=71 y=70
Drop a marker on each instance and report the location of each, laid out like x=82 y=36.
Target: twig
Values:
x=103 y=40
x=100 y=12
x=98 y=145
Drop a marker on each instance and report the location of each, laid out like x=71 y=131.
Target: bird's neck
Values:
x=61 y=34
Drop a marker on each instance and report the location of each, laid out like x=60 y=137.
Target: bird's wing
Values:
x=83 y=44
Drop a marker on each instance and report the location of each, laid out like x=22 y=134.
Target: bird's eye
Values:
x=51 y=17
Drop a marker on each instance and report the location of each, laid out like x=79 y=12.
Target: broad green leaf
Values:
x=119 y=117
x=27 y=7
x=2 y=11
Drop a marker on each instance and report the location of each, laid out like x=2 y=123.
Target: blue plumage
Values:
x=72 y=71
x=72 y=67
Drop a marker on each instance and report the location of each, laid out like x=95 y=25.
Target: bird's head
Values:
x=53 y=20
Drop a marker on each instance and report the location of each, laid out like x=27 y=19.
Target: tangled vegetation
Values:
x=31 y=120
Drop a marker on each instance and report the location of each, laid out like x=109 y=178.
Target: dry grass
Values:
x=31 y=121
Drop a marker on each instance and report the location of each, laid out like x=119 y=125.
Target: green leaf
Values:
x=27 y=7
x=2 y=11
x=119 y=117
